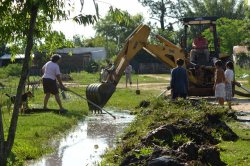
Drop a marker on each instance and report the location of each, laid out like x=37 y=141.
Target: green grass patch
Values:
x=237 y=153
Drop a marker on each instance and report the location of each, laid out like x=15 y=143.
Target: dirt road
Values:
x=238 y=104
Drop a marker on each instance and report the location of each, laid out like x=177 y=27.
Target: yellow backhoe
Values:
x=201 y=76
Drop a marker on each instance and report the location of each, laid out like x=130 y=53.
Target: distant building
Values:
x=241 y=56
x=74 y=58
x=6 y=59
x=144 y=63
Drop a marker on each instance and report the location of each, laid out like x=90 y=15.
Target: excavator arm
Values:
x=134 y=43
x=166 y=51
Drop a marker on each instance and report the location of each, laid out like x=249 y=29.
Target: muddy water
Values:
x=87 y=142
x=243 y=116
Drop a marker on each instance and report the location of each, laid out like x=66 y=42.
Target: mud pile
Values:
x=181 y=142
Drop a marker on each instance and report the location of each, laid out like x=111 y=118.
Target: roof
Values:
x=80 y=50
x=240 y=49
x=199 y=20
x=98 y=53
x=8 y=56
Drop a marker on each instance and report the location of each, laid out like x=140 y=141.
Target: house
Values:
x=144 y=63
x=74 y=58
x=6 y=59
x=80 y=57
x=241 y=55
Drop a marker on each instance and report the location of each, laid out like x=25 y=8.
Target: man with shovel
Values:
x=179 y=80
x=51 y=73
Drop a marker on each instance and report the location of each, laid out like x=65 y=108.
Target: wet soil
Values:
x=200 y=150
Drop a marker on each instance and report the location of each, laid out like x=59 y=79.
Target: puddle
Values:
x=243 y=116
x=87 y=142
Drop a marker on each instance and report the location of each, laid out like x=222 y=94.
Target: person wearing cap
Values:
x=51 y=73
x=179 y=81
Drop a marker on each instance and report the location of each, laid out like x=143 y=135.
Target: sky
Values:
x=70 y=28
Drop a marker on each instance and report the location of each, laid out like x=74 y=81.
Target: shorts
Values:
x=229 y=94
x=220 y=90
x=50 y=86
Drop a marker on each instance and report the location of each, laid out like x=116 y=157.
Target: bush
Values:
x=243 y=60
x=11 y=70
x=92 y=67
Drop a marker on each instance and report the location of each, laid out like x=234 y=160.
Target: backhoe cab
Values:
x=201 y=68
x=194 y=27
x=201 y=76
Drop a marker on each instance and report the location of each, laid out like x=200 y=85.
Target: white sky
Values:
x=69 y=28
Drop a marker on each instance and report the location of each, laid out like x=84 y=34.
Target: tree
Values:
x=160 y=10
x=52 y=41
x=247 y=27
x=231 y=33
x=233 y=9
x=19 y=20
x=116 y=31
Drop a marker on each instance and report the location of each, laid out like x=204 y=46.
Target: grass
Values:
x=122 y=97
x=237 y=153
x=85 y=78
x=34 y=131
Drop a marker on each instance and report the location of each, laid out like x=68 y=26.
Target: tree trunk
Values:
x=25 y=70
x=2 y=154
x=163 y=10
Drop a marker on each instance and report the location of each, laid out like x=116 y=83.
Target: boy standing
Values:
x=179 y=81
x=128 y=72
x=229 y=75
x=219 y=82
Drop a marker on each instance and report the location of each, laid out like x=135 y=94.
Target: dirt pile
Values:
x=183 y=142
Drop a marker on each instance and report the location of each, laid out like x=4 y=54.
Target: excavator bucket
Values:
x=99 y=93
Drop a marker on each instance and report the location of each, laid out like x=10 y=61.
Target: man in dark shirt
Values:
x=179 y=81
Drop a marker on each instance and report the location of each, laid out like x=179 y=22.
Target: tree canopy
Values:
x=231 y=33
x=233 y=9
x=161 y=10
x=116 y=31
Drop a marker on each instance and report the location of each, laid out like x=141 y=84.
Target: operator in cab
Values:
x=199 y=54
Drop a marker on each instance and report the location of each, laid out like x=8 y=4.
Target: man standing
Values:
x=128 y=72
x=51 y=73
x=179 y=80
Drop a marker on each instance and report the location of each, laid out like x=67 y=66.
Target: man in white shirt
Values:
x=51 y=73
x=128 y=72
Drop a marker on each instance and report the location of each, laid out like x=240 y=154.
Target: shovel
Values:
x=241 y=86
x=137 y=89
x=97 y=106
x=63 y=94
x=163 y=92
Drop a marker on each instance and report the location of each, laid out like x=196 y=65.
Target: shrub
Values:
x=92 y=67
x=243 y=60
x=11 y=70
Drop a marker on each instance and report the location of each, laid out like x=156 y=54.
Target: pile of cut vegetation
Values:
x=184 y=132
